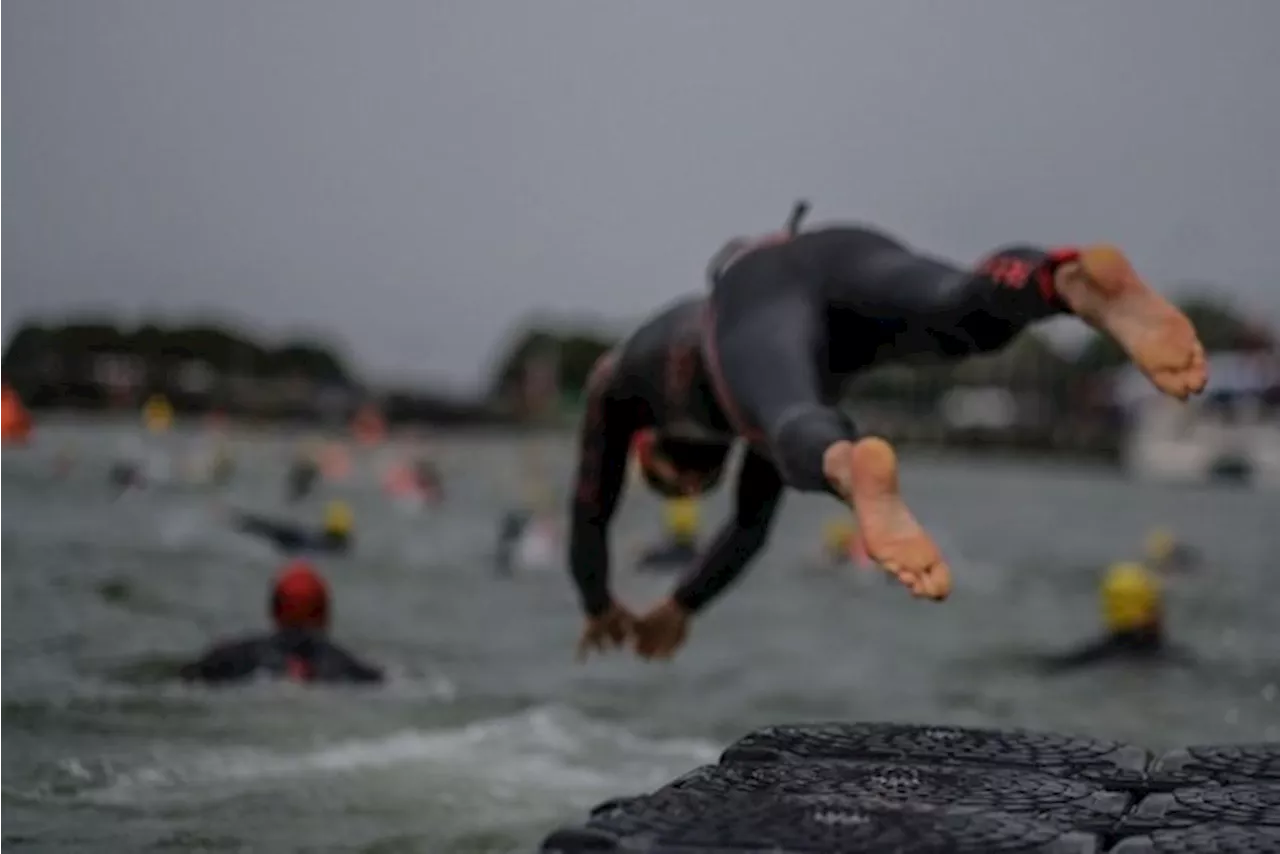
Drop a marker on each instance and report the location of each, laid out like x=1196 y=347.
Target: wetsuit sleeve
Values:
x=760 y=490
x=604 y=444
x=281 y=535
x=1117 y=645
x=1091 y=653
x=342 y=666
x=225 y=663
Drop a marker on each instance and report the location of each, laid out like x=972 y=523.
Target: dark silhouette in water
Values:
x=301 y=479
x=298 y=649
x=510 y=530
x=1133 y=614
x=668 y=556
x=334 y=537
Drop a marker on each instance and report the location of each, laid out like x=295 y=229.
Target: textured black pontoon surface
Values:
x=876 y=788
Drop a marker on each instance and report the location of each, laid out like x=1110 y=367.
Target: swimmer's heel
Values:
x=1102 y=287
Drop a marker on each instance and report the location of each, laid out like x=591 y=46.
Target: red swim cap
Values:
x=300 y=598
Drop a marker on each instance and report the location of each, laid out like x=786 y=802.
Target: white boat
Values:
x=1230 y=434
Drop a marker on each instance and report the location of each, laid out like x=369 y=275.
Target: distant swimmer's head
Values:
x=300 y=598
x=682 y=517
x=1130 y=598
x=1161 y=544
x=676 y=468
x=338 y=518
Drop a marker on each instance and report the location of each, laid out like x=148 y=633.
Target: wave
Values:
x=548 y=752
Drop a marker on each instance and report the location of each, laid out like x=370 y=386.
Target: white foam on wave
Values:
x=546 y=752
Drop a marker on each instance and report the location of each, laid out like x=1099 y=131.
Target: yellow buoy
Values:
x=157 y=413
x=338 y=518
x=1130 y=598
x=682 y=517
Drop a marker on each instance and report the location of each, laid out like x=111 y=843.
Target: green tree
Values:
x=308 y=359
x=26 y=347
x=225 y=350
x=577 y=354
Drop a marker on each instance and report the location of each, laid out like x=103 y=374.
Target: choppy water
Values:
x=488 y=733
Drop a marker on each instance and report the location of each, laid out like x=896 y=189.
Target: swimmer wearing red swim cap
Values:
x=298 y=649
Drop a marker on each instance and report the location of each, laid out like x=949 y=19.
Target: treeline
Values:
x=97 y=363
x=222 y=350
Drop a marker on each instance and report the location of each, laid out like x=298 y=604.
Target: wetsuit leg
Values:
x=945 y=309
x=765 y=348
x=611 y=419
x=787 y=317
x=759 y=493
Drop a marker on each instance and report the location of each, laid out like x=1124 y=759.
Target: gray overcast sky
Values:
x=417 y=175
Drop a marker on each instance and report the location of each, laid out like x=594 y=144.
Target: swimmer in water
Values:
x=790 y=317
x=1133 y=614
x=1165 y=553
x=334 y=536
x=510 y=529
x=299 y=648
x=428 y=479
x=303 y=474
x=681 y=518
x=125 y=475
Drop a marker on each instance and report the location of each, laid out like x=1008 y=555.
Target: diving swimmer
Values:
x=790 y=317
x=298 y=649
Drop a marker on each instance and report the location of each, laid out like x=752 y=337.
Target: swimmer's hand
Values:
x=608 y=631
x=662 y=631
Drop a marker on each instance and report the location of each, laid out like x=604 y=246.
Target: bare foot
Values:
x=1103 y=289
x=866 y=472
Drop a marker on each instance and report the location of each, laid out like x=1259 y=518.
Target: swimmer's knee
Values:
x=801 y=436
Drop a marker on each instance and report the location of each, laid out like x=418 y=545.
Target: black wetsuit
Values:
x=301 y=479
x=764 y=357
x=1146 y=645
x=290 y=653
x=124 y=476
x=510 y=529
x=671 y=555
x=428 y=478
x=290 y=538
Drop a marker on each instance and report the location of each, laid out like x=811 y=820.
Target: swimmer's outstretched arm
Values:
x=604 y=444
x=759 y=493
x=224 y=663
x=661 y=631
x=351 y=668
